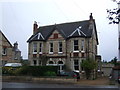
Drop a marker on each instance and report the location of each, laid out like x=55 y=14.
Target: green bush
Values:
x=49 y=73
x=9 y=70
x=36 y=70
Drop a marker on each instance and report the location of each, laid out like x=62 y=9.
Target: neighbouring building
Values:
x=65 y=45
x=8 y=52
x=107 y=68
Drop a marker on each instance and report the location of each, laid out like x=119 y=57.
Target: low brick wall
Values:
x=38 y=79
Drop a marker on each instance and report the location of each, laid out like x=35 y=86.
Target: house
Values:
x=65 y=45
x=107 y=68
x=8 y=52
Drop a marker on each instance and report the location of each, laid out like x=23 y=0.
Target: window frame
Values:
x=82 y=45
x=76 y=65
x=60 y=47
x=55 y=35
x=51 y=48
x=34 y=48
x=40 y=48
x=74 y=46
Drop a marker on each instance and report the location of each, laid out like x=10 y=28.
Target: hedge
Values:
x=32 y=71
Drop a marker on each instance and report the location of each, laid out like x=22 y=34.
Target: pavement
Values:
x=98 y=81
x=102 y=83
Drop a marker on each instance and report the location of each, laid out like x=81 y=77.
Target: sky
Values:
x=18 y=16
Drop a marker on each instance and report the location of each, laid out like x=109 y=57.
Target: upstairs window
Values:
x=82 y=45
x=55 y=36
x=60 y=47
x=4 y=51
x=40 y=48
x=51 y=48
x=35 y=48
x=76 y=47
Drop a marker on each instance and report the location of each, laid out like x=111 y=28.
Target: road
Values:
x=38 y=85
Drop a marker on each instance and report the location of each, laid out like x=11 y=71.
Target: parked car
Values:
x=70 y=74
x=13 y=65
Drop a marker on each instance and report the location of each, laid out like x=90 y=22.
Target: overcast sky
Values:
x=18 y=18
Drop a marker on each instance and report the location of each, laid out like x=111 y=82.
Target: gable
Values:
x=5 y=41
x=55 y=35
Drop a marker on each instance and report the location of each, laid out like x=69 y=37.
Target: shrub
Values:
x=9 y=70
x=36 y=70
x=49 y=73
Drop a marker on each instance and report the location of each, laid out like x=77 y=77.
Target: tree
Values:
x=114 y=18
x=114 y=14
x=43 y=59
x=114 y=61
x=88 y=65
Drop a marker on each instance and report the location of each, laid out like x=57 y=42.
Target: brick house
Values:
x=66 y=44
x=8 y=52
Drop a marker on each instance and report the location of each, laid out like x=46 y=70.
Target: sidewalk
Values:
x=98 y=81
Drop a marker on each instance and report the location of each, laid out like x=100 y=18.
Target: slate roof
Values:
x=67 y=30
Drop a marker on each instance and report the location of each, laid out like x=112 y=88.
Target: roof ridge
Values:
x=62 y=23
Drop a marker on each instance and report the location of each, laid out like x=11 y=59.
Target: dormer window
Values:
x=76 y=47
x=55 y=36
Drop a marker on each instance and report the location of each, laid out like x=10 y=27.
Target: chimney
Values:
x=91 y=21
x=91 y=17
x=35 y=27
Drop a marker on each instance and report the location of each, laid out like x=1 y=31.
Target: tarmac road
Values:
x=14 y=85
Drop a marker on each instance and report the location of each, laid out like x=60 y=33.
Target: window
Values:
x=34 y=62
x=55 y=36
x=76 y=48
x=40 y=63
x=51 y=48
x=82 y=67
x=60 y=47
x=51 y=62
x=40 y=48
x=82 y=45
x=4 y=51
x=35 y=48
x=76 y=64
x=60 y=62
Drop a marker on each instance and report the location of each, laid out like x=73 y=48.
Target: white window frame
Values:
x=76 y=65
x=50 y=48
x=40 y=48
x=34 y=48
x=82 y=45
x=74 y=46
x=60 y=47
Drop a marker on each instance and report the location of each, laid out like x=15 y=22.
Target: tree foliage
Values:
x=89 y=65
x=114 y=14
